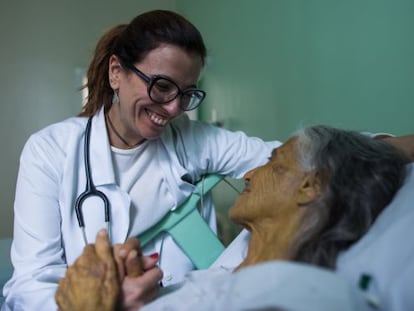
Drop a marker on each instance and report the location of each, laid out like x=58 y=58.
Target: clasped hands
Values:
x=109 y=278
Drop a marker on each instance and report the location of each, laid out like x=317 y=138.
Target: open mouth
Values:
x=157 y=119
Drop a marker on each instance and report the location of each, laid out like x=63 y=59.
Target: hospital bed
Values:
x=384 y=256
x=381 y=263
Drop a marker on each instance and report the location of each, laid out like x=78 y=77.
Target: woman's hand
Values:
x=139 y=274
x=128 y=258
x=91 y=283
x=137 y=291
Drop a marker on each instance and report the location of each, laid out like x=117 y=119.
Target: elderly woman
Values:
x=322 y=189
x=318 y=194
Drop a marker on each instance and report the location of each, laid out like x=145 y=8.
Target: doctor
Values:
x=133 y=149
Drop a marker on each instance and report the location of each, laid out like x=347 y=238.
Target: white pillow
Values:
x=386 y=253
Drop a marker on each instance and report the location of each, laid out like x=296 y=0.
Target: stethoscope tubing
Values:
x=90 y=189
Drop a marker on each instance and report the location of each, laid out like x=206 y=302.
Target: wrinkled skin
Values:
x=94 y=273
x=107 y=279
x=271 y=204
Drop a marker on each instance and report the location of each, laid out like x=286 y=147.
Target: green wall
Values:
x=278 y=64
x=45 y=45
x=273 y=65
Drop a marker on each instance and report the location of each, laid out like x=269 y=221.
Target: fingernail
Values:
x=133 y=253
x=103 y=232
x=154 y=256
x=122 y=253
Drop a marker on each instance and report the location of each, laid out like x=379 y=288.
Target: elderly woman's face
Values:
x=270 y=189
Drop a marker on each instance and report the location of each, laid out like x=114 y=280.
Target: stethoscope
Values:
x=90 y=190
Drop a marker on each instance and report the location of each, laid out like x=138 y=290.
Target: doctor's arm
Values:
x=404 y=143
x=37 y=254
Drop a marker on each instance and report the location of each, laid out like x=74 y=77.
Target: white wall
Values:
x=42 y=43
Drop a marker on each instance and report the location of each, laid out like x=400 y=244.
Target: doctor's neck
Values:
x=116 y=138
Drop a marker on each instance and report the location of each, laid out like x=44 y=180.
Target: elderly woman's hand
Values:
x=91 y=283
x=139 y=274
x=108 y=279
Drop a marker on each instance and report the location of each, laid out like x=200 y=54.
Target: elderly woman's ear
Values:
x=309 y=189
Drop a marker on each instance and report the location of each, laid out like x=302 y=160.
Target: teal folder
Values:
x=188 y=229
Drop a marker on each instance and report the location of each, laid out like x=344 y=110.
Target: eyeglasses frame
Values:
x=151 y=82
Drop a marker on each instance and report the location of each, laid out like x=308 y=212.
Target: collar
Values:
x=100 y=151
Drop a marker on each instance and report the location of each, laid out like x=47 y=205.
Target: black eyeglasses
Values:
x=162 y=90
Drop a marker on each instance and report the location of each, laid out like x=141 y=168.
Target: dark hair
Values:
x=131 y=43
x=359 y=177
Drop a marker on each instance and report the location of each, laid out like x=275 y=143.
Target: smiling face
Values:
x=137 y=117
x=274 y=190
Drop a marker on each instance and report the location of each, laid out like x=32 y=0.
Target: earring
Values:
x=115 y=98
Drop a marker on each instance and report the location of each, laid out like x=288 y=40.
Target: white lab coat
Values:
x=52 y=174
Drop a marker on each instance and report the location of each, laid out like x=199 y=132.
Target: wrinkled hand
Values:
x=139 y=275
x=91 y=283
x=404 y=143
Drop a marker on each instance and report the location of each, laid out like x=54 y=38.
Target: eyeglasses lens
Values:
x=163 y=91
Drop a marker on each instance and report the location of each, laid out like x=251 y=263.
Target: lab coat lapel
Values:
x=173 y=166
x=100 y=152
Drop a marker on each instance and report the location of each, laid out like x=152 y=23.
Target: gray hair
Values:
x=359 y=177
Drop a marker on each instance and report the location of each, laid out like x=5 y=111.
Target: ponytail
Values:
x=99 y=89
